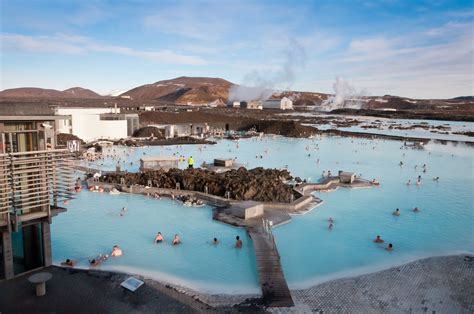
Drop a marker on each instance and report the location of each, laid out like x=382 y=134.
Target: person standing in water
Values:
x=176 y=240
x=238 y=242
x=190 y=162
x=159 y=238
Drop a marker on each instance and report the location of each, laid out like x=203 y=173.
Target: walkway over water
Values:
x=275 y=290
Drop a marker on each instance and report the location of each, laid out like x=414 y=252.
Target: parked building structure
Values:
x=346 y=177
x=132 y=119
x=254 y=104
x=182 y=129
x=158 y=162
x=35 y=178
x=91 y=124
x=283 y=104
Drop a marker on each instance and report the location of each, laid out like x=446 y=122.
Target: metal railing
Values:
x=267 y=228
x=33 y=181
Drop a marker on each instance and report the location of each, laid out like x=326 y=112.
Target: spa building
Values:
x=35 y=180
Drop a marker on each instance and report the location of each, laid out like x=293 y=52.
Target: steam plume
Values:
x=260 y=86
x=345 y=96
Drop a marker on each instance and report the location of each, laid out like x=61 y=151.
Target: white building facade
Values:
x=86 y=123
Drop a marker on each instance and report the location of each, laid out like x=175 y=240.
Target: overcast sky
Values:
x=419 y=49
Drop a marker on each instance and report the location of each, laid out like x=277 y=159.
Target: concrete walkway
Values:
x=434 y=285
x=272 y=281
x=77 y=291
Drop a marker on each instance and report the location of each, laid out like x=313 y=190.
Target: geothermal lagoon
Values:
x=310 y=252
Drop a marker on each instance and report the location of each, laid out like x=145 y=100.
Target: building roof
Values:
x=158 y=158
x=33 y=118
x=346 y=173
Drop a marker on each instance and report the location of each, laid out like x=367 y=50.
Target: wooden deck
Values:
x=275 y=290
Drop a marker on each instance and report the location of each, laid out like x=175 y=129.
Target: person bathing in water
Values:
x=176 y=240
x=378 y=239
x=98 y=260
x=158 y=238
x=396 y=212
x=238 y=242
x=68 y=262
x=116 y=251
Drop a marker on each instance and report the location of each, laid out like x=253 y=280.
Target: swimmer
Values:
x=416 y=209
x=69 y=263
x=374 y=182
x=158 y=238
x=378 y=239
x=116 y=251
x=435 y=178
x=331 y=220
x=418 y=182
x=409 y=182
x=330 y=226
x=238 y=242
x=389 y=247
x=99 y=259
x=396 y=212
x=124 y=209
x=94 y=262
x=215 y=241
x=176 y=240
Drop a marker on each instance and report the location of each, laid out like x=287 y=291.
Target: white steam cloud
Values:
x=345 y=96
x=259 y=86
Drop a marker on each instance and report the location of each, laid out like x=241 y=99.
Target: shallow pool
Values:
x=92 y=225
x=310 y=252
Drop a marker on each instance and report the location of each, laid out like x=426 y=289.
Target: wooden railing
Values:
x=32 y=181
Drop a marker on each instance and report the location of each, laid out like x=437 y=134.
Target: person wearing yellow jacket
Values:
x=190 y=162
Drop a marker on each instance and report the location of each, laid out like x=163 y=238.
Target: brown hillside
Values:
x=42 y=93
x=183 y=90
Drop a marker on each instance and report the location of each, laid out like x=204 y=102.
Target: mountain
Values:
x=79 y=92
x=464 y=98
x=33 y=92
x=183 y=90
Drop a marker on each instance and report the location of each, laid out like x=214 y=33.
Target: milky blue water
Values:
x=93 y=225
x=310 y=252
x=384 y=124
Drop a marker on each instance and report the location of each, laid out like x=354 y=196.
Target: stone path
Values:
x=433 y=285
x=275 y=290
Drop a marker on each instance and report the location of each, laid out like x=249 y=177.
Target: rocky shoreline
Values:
x=258 y=184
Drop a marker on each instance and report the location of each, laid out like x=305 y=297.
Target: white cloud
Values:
x=433 y=63
x=65 y=44
x=38 y=44
x=369 y=44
